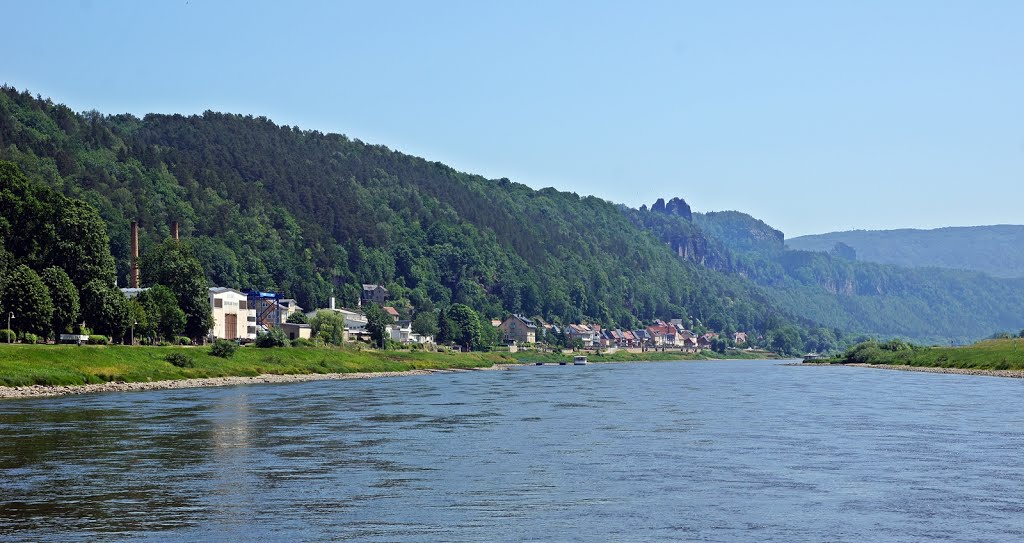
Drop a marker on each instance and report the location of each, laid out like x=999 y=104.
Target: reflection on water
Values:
x=736 y=451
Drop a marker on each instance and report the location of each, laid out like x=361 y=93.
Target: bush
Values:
x=301 y=341
x=182 y=340
x=180 y=360
x=29 y=337
x=99 y=340
x=272 y=338
x=7 y=336
x=223 y=348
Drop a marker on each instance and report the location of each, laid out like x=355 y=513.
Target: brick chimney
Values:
x=133 y=273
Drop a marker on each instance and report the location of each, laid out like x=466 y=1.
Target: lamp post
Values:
x=133 y=332
x=10 y=315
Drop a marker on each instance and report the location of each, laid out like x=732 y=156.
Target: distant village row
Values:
x=241 y=316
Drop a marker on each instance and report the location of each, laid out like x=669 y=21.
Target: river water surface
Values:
x=701 y=451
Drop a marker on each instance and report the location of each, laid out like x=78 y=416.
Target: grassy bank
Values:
x=23 y=365
x=996 y=354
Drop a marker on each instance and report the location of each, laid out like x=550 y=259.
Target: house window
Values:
x=252 y=329
x=217 y=302
x=243 y=305
x=251 y=319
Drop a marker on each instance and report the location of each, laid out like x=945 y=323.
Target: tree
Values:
x=298 y=318
x=28 y=298
x=468 y=325
x=425 y=324
x=447 y=330
x=271 y=338
x=163 y=315
x=488 y=334
x=105 y=309
x=41 y=228
x=172 y=264
x=329 y=326
x=377 y=322
x=64 y=296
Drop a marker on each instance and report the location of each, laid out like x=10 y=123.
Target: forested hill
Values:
x=996 y=250
x=315 y=215
x=835 y=289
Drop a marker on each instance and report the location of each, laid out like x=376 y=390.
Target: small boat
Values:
x=579 y=361
x=539 y=363
x=562 y=363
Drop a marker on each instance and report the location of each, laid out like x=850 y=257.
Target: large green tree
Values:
x=173 y=265
x=329 y=326
x=105 y=309
x=377 y=321
x=28 y=298
x=425 y=323
x=65 y=299
x=41 y=228
x=468 y=324
x=163 y=315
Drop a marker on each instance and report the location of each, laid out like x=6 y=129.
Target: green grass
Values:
x=24 y=365
x=996 y=354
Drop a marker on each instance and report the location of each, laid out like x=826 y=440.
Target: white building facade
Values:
x=232 y=316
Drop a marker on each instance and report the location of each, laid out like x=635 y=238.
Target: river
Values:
x=691 y=451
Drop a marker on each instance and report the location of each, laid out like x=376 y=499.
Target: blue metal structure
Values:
x=267 y=306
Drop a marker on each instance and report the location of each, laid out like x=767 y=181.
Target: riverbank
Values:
x=998 y=356
x=49 y=370
x=1014 y=374
x=40 y=391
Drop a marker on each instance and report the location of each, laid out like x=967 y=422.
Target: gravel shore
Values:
x=39 y=391
x=1013 y=374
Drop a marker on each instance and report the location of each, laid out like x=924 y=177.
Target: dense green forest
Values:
x=315 y=215
x=996 y=250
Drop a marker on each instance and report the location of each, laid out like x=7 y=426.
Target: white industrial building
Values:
x=232 y=316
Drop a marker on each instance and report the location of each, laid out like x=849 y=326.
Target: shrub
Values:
x=182 y=340
x=301 y=341
x=29 y=337
x=180 y=360
x=99 y=340
x=223 y=348
x=272 y=338
x=7 y=336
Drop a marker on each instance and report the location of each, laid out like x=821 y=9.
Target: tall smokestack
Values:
x=133 y=274
x=174 y=230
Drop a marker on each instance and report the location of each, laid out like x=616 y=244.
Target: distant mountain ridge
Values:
x=997 y=250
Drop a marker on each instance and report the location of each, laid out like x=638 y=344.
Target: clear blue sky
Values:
x=814 y=116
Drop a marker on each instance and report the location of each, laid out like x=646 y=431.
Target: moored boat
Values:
x=579 y=361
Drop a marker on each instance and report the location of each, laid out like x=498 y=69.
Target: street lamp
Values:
x=133 y=332
x=10 y=315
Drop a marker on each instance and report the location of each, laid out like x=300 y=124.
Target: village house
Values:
x=374 y=294
x=583 y=333
x=392 y=312
x=739 y=337
x=519 y=329
x=232 y=316
x=400 y=332
x=288 y=307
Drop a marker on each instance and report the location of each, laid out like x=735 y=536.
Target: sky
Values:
x=812 y=116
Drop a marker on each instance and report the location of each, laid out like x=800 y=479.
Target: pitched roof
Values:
x=529 y=323
x=391 y=311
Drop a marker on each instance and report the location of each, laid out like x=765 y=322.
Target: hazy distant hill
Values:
x=995 y=250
